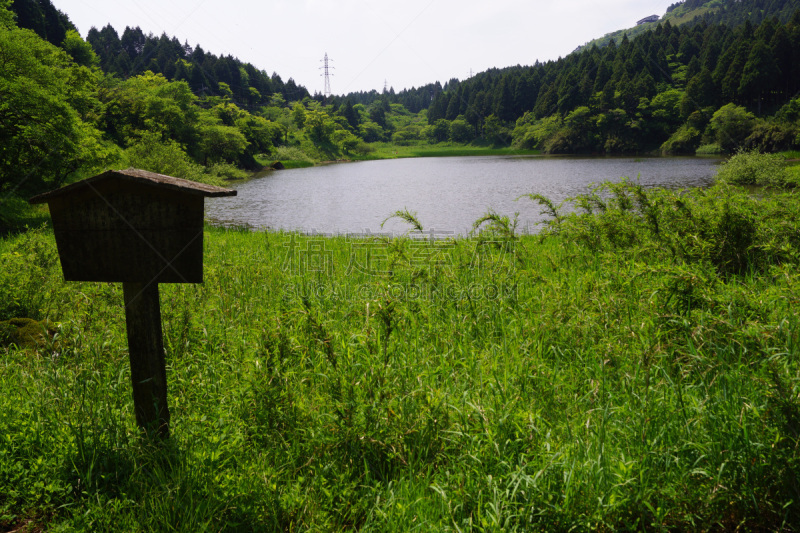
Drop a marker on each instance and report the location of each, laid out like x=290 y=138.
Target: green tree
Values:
x=319 y=126
x=441 y=130
x=700 y=93
x=260 y=133
x=299 y=114
x=46 y=103
x=150 y=102
x=377 y=113
x=371 y=132
x=759 y=75
x=345 y=140
x=6 y=15
x=349 y=113
x=731 y=125
x=461 y=131
x=218 y=142
x=151 y=152
x=496 y=132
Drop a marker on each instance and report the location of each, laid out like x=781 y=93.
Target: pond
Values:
x=447 y=193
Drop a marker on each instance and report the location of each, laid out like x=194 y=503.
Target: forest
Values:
x=724 y=77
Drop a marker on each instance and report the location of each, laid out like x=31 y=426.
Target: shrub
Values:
x=753 y=168
x=731 y=125
x=771 y=137
x=724 y=229
x=291 y=153
x=709 y=149
x=683 y=141
x=151 y=152
x=226 y=171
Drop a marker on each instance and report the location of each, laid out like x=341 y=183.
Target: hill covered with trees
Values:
x=68 y=111
x=672 y=89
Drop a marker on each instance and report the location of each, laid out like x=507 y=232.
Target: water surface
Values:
x=448 y=193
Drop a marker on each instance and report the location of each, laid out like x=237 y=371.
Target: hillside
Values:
x=727 y=12
x=673 y=89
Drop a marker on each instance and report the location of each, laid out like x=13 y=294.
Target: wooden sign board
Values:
x=130 y=226
x=141 y=229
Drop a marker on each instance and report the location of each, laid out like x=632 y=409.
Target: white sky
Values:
x=405 y=44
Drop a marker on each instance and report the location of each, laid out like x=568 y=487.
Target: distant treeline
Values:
x=509 y=92
x=636 y=94
x=135 y=52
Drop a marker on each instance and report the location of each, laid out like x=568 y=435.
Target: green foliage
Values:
x=223 y=172
x=438 y=131
x=531 y=133
x=29 y=279
x=219 y=143
x=789 y=112
x=684 y=141
x=80 y=51
x=151 y=152
x=291 y=153
x=731 y=125
x=6 y=15
x=150 y=102
x=722 y=228
x=371 y=132
x=493 y=226
x=772 y=137
x=319 y=126
x=299 y=114
x=461 y=131
x=46 y=102
x=709 y=149
x=292 y=157
x=496 y=132
x=754 y=168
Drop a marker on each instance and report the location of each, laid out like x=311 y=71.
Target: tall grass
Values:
x=635 y=366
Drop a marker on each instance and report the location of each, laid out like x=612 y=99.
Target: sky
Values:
x=371 y=43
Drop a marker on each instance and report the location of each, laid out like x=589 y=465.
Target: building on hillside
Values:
x=651 y=18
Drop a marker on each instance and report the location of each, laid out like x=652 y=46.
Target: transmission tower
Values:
x=326 y=73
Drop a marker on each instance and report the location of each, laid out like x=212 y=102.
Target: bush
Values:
x=226 y=171
x=731 y=125
x=152 y=153
x=753 y=168
x=709 y=149
x=684 y=141
x=771 y=137
x=291 y=153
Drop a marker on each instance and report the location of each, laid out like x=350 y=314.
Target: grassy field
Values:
x=634 y=366
x=424 y=149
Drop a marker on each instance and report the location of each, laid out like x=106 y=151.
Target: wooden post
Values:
x=141 y=229
x=146 y=350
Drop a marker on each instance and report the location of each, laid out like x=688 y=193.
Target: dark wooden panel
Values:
x=130 y=233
